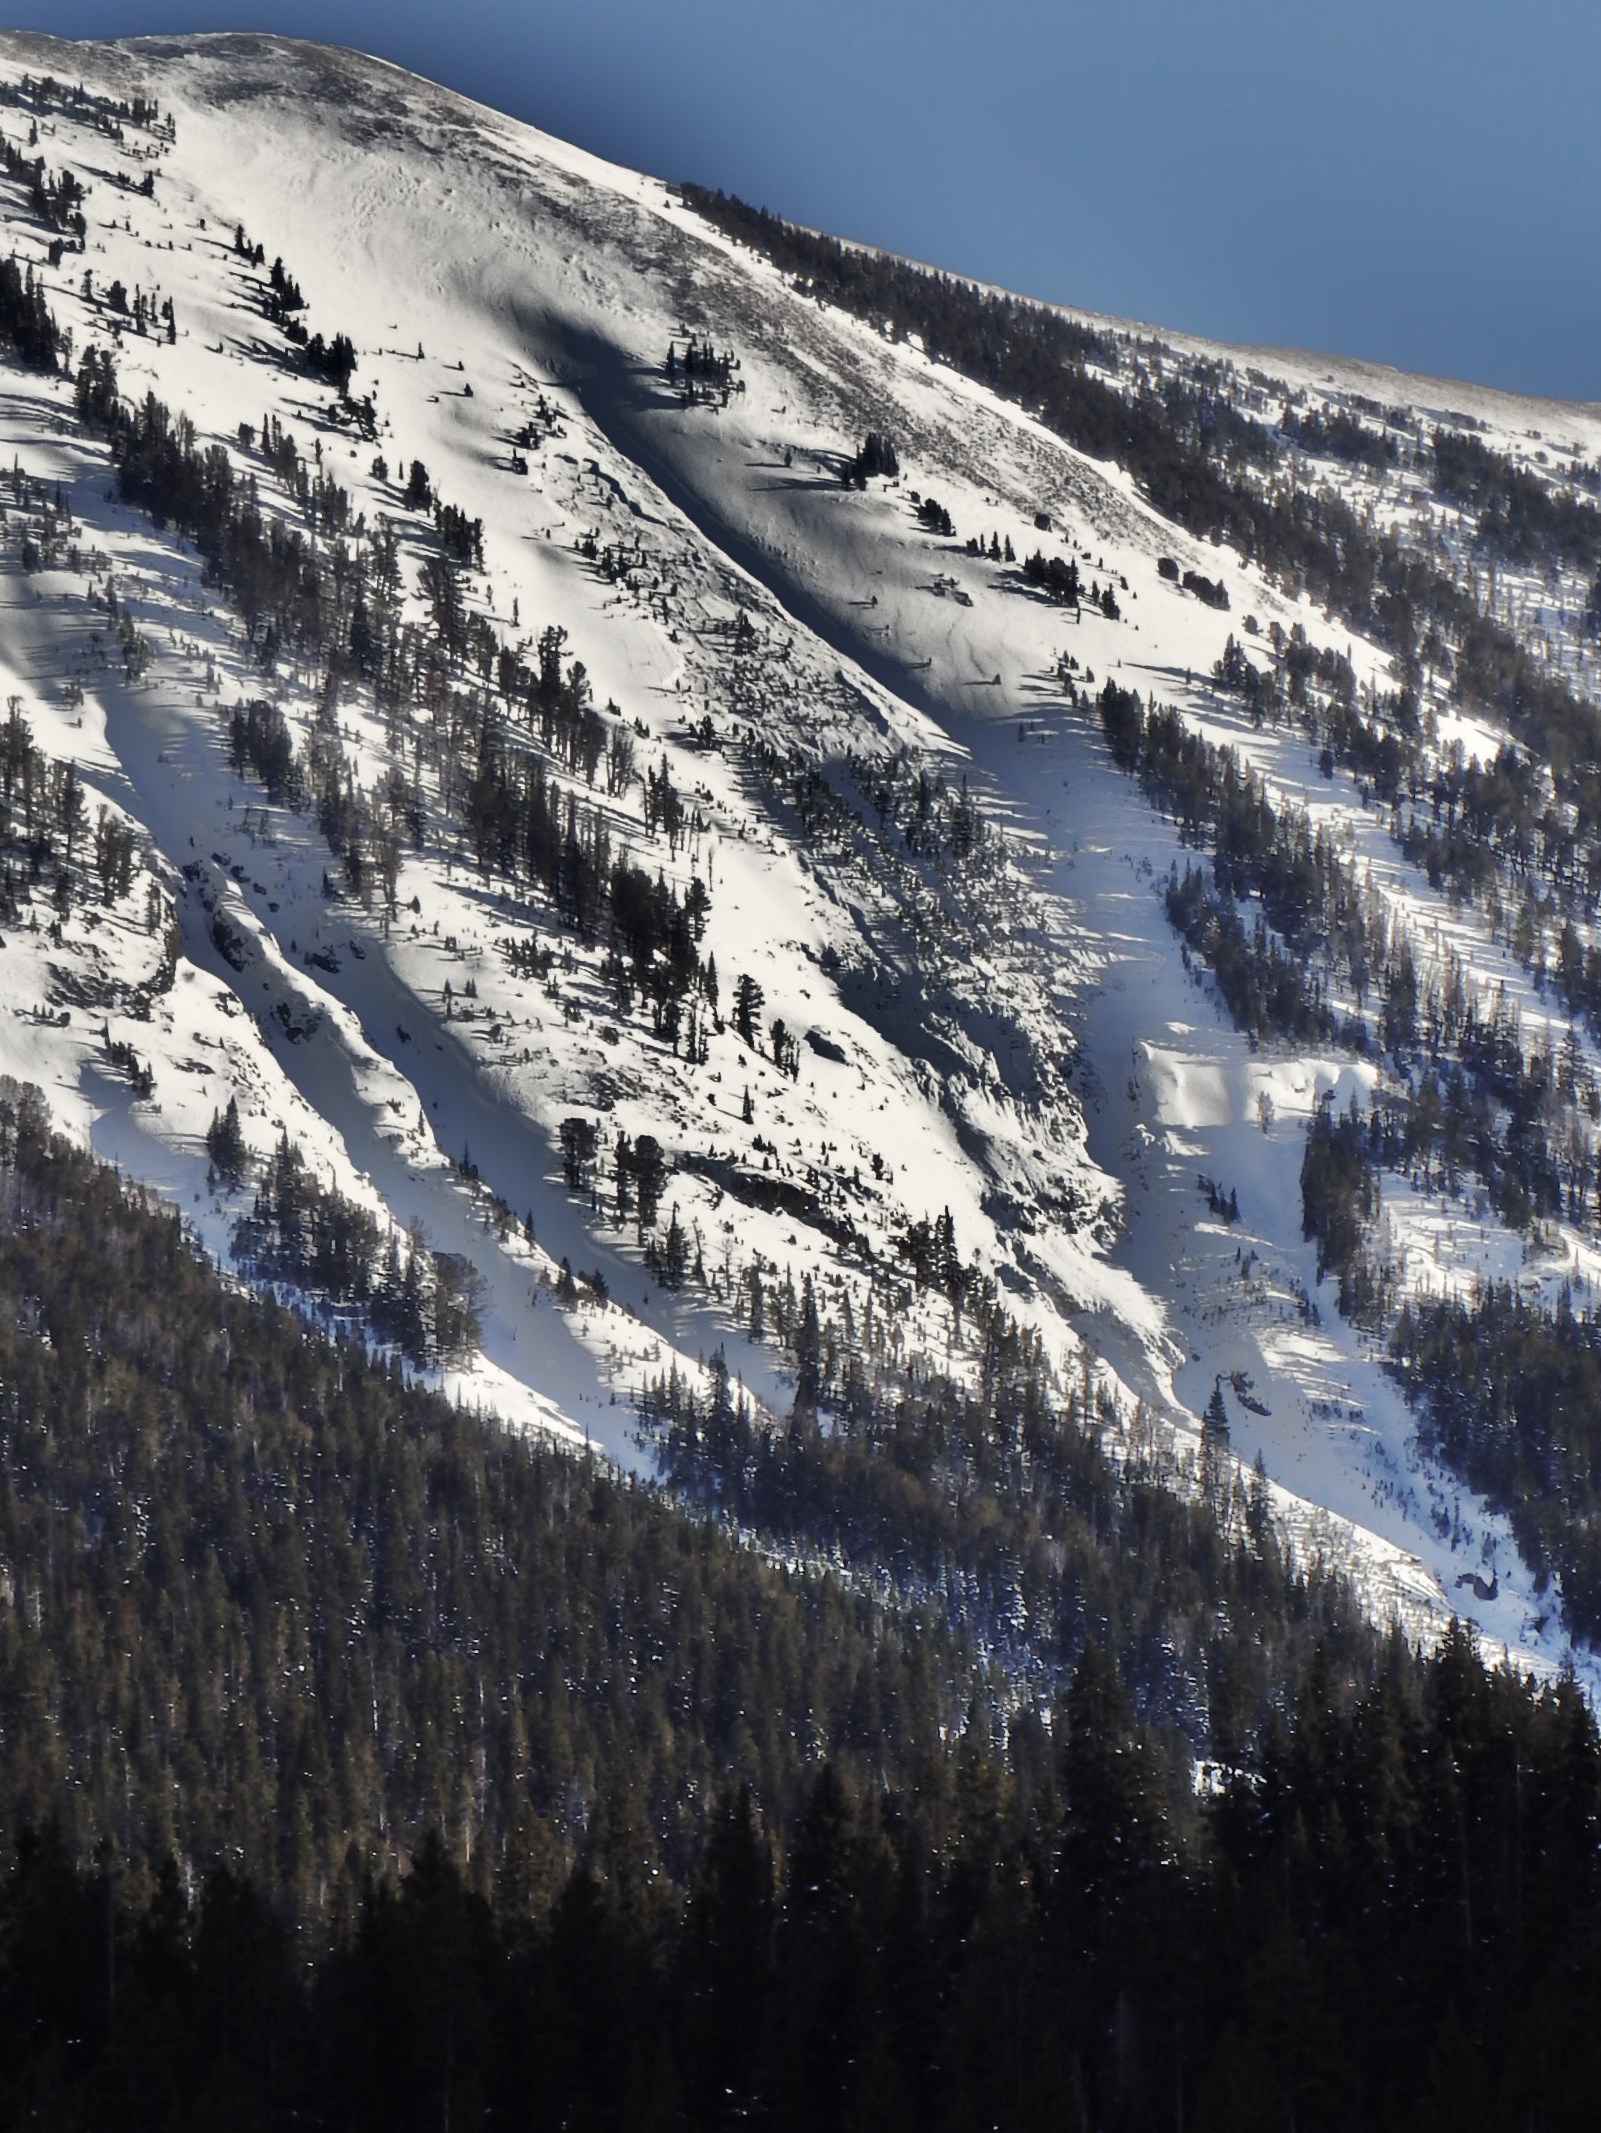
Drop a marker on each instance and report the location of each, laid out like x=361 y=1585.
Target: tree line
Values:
x=265 y=1600
x=311 y=1237
x=365 y=1763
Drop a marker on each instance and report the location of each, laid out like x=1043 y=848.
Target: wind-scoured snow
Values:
x=1039 y=1058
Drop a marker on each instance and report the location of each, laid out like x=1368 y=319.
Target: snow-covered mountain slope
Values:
x=885 y=765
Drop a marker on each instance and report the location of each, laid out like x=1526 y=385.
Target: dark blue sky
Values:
x=1413 y=180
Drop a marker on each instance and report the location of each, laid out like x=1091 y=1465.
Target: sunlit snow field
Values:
x=1046 y=1067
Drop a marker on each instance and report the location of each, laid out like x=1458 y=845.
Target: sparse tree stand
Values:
x=876 y=457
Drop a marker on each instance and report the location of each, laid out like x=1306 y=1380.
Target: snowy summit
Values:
x=617 y=783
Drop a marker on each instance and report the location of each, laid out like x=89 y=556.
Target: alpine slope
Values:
x=843 y=711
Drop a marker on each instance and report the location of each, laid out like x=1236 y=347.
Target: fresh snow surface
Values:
x=1033 y=1055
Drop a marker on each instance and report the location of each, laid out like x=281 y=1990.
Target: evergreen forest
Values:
x=368 y=1766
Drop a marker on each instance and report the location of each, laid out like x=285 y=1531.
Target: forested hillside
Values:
x=748 y=853
x=365 y=1765
x=267 y=1600
x=800 y=1156
x=1473 y=562
x=1392 y=1924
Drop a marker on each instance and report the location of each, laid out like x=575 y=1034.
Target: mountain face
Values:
x=664 y=813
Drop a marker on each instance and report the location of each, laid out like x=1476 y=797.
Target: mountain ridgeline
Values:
x=501 y=756
x=1300 y=947
x=900 y=935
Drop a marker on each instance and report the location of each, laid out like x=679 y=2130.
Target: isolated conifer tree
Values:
x=748 y=1000
x=1215 y=1421
x=225 y=1144
x=650 y=1176
x=675 y=1254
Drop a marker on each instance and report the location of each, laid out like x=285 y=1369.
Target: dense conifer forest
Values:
x=367 y=1766
x=265 y=1600
x=1372 y=1932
